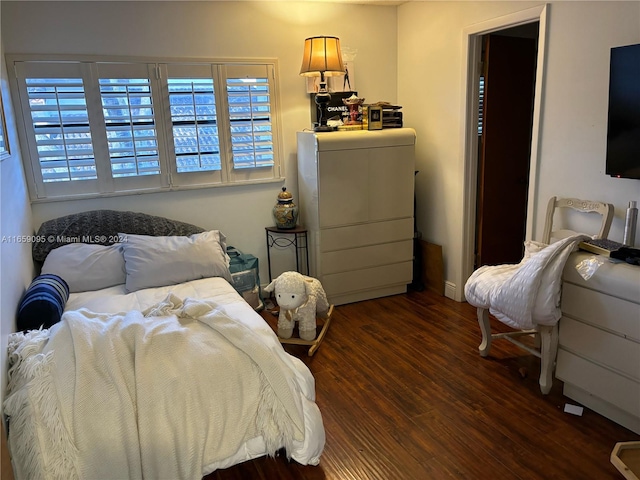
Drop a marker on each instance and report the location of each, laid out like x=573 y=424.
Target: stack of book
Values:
x=391 y=115
x=600 y=246
x=611 y=249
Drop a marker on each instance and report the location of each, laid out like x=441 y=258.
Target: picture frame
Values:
x=374 y=117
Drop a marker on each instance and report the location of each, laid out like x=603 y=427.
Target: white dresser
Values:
x=599 y=349
x=356 y=201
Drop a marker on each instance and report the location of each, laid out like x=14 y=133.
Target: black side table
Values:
x=296 y=237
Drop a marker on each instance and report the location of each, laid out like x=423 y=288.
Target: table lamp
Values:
x=322 y=58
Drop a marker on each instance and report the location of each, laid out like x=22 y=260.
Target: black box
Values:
x=391 y=119
x=335 y=108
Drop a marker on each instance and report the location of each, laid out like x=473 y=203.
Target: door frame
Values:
x=472 y=38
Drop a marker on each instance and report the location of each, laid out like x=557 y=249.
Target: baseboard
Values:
x=450 y=290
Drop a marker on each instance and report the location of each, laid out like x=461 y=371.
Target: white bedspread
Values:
x=175 y=391
x=526 y=294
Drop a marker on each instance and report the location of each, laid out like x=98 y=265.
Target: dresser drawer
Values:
x=618 y=279
x=601 y=347
x=366 y=257
x=375 y=184
x=362 y=235
x=368 y=278
x=616 y=389
x=605 y=311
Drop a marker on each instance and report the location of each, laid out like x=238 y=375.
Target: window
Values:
x=61 y=128
x=96 y=127
x=250 y=117
x=194 y=124
x=130 y=126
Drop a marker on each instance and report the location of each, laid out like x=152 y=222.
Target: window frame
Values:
x=159 y=70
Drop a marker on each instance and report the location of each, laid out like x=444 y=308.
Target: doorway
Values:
x=473 y=55
x=505 y=115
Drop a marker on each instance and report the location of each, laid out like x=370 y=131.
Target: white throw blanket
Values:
x=526 y=294
x=155 y=394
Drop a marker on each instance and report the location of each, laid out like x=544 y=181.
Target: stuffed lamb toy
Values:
x=301 y=299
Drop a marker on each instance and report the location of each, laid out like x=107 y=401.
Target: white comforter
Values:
x=526 y=294
x=175 y=391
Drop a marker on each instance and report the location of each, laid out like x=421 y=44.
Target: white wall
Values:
x=213 y=29
x=16 y=267
x=574 y=131
x=431 y=51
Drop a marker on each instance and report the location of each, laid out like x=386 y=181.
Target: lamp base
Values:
x=323 y=97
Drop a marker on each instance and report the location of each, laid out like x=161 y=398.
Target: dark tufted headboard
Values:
x=102 y=227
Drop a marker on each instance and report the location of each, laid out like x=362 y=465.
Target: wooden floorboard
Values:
x=404 y=394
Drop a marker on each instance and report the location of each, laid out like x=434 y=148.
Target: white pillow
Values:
x=531 y=247
x=160 y=261
x=87 y=267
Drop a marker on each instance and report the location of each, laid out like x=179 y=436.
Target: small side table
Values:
x=296 y=237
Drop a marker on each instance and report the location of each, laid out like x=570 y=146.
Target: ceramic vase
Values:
x=285 y=212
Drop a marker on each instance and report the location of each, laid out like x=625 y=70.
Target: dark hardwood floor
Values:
x=405 y=395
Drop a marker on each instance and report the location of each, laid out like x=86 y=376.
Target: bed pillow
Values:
x=531 y=247
x=87 y=267
x=43 y=303
x=160 y=261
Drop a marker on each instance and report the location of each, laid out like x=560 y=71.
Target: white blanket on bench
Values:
x=526 y=294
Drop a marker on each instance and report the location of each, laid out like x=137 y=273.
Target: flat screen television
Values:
x=623 y=128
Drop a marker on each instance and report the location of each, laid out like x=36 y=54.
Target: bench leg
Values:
x=485 y=328
x=548 y=352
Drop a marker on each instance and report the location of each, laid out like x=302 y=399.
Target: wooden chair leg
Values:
x=485 y=328
x=548 y=352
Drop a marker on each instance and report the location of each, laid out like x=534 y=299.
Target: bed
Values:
x=156 y=367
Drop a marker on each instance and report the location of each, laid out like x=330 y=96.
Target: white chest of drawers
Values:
x=599 y=340
x=356 y=201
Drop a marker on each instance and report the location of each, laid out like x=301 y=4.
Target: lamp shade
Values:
x=322 y=55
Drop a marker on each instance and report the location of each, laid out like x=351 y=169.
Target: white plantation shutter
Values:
x=131 y=129
x=194 y=124
x=54 y=106
x=194 y=127
x=61 y=126
x=250 y=105
x=98 y=126
x=129 y=95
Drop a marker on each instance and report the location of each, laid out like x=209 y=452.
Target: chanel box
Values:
x=335 y=108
